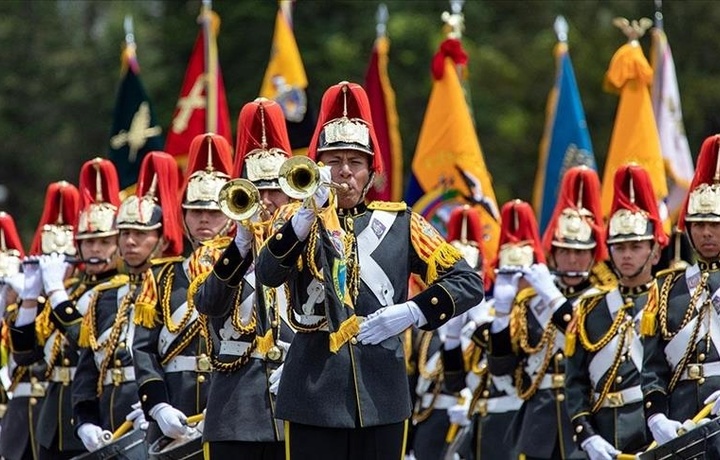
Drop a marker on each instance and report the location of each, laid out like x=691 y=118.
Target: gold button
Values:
x=122 y=345
x=201 y=378
x=578 y=429
x=226 y=261
x=701 y=357
x=701 y=380
x=623 y=358
x=559 y=356
x=118 y=363
x=567 y=317
x=648 y=405
x=629 y=300
x=574 y=438
x=66 y=362
x=486 y=333
x=41 y=299
x=274 y=324
x=203 y=356
x=278 y=236
x=485 y=393
x=33 y=380
x=619 y=379
x=442 y=316
x=349 y=220
x=68 y=310
x=434 y=301
x=144 y=398
x=353 y=341
x=33 y=401
x=561 y=397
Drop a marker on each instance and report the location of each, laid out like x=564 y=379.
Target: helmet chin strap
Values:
x=366 y=189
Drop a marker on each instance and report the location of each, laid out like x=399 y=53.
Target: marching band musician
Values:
x=604 y=398
x=96 y=243
x=18 y=439
x=105 y=391
x=170 y=350
x=681 y=368
x=527 y=344
x=344 y=391
x=247 y=321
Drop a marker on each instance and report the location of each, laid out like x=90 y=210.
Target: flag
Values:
x=286 y=83
x=135 y=129
x=448 y=167
x=678 y=160
x=635 y=136
x=388 y=186
x=566 y=140
x=202 y=106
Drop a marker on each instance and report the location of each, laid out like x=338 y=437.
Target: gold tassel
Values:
x=84 y=336
x=445 y=255
x=43 y=326
x=146 y=314
x=571 y=336
x=194 y=286
x=263 y=343
x=349 y=328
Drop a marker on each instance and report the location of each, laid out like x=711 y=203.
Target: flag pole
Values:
x=210 y=67
x=129 y=57
x=381 y=17
x=561 y=29
x=658 y=14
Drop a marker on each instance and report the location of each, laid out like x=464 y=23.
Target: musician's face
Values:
x=634 y=260
x=272 y=199
x=103 y=248
x=137 y=247
x=572 y=260
x=706 y=239
x=204 y=224
x=348 y=167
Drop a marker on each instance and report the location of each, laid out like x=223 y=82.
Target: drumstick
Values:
x=193 y=419
x=626 y=457
x=122 y=429
x=704 y=412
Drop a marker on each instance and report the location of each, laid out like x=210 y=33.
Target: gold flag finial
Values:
x=634 y=29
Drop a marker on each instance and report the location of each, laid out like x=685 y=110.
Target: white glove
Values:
x=171 y=421
x=243 y=239
x=458 y=414
x=33 y=279
x=274 y=379
x=390 y=321
x=137 y=417
x=92 y=436
x=322 y=193
x=450 y=332
x=53 y=268
x=597 y=448
x=540 y=278
x=505 y=290
x=662 y=428
x=715 y=397
x=480 y=314
x=16 y=282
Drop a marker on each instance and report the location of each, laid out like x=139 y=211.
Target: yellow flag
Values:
x=285 y=61
x=635 y=136
x=449 y=161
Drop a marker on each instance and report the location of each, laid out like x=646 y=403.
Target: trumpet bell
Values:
x=299 y=177
x=239 y=199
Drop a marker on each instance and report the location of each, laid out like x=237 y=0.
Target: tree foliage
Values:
x=60 y=63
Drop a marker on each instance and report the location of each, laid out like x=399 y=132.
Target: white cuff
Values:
x=25 y=316
x=157 y=408
x=302 y=222
x=58 y=297
x=499 y=324
x=417 y=314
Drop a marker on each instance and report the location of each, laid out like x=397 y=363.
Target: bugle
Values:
x=299 y=178
x=239 y=200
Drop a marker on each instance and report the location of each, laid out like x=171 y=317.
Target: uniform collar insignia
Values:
x=635 y=290
x=355 y=211
x=709 y=266
x=574 y=291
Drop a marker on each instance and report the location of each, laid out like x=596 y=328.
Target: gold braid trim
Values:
x=43 y=326
x=584 y=309
x=602 y=275
x=663 y=307
x=349 y=328
x=216 y=363
x=690 y=346
x=518 y=314
x=422 y=359
x=407 y=350
x=121 y=318
x=194 y=287
x=547 y=339
x=420 y=414
x=17 y=376
x=188 y=335
x=445 y=256
x=610 y=379
x=146 y=314
x=167 y=275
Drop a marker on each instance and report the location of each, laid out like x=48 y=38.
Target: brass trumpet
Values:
x=239 y=200
x=299 y=178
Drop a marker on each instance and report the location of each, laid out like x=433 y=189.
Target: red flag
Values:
x=197 y=111
x=388 y=185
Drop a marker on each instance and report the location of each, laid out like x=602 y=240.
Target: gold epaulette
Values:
x=219 y=242
x=667 y=271
x=165 y=260
x=524 y=295
x=602 y=275
x=114 y=282
x=70 y=282
x=43 y=325
x=393 y=206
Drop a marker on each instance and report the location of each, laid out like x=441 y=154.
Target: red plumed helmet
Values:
x=576 y=222
x=99 y=197
x=11 y=250
x=263 y=143
x=58 y=221
x=703 y=200
x=345 y=122
x=464 y=231
x=519 y=237
x=209 y=168
x=634 y=214
x=154 y=204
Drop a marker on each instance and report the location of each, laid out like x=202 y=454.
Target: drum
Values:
x=130 y=446
x=701 y=443
x=185 y=448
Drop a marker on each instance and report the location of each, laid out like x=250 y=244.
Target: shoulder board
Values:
x=114 y=282
x=70 y=282
x=220 y=242
x=668 y=271
x=394 y=206
x=166 y=260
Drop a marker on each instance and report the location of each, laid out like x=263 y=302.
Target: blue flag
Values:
x=566 y=141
